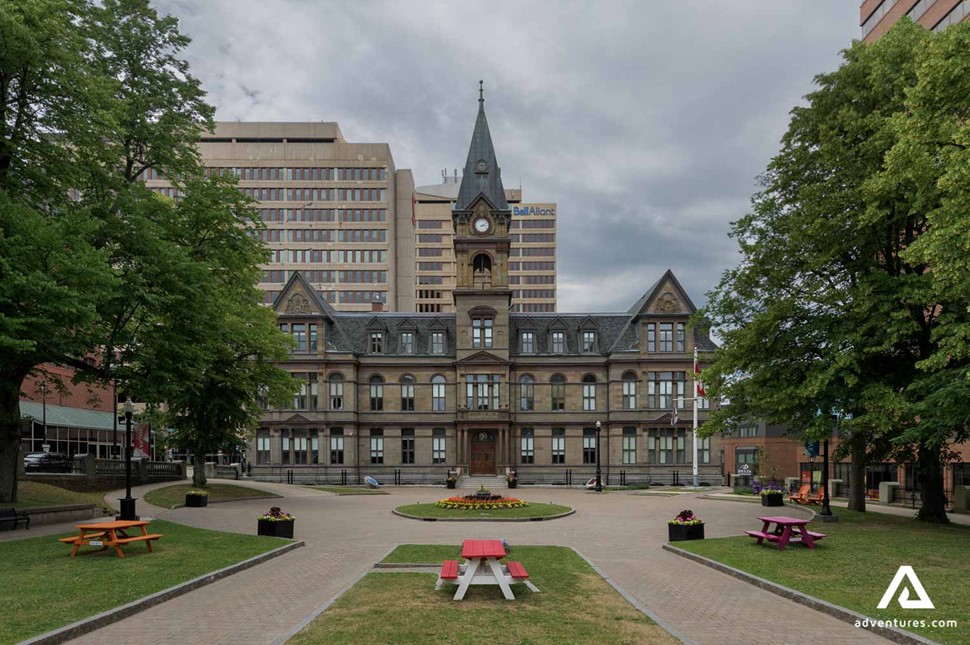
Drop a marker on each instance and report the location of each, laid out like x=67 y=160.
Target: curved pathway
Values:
x=345 y=535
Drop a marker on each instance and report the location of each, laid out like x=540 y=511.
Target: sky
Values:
x=646 y=121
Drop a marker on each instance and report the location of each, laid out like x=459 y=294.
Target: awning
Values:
x=63 y=417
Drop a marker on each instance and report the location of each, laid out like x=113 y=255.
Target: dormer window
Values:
x=588 y=341
x=482 y=332
x=437 y=342
x=528 y=344
x=558 y=342
x=407 y=342
x=377 y=342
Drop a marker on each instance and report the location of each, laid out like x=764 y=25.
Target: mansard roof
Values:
x=482 y=175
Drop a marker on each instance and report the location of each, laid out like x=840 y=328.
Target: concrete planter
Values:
x=282 y=528
x=773 y=500
x=196 y=501
x=681 y=532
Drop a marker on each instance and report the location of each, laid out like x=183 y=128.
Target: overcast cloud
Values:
x=647 y=122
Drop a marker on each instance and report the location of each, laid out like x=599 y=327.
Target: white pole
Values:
x=695 y=419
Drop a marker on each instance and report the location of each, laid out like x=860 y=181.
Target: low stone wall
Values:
x=61 y=514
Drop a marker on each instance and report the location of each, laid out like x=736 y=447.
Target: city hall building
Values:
x=406 y=397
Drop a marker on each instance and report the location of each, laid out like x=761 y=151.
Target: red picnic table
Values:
x=482 y=567
x=786 y=530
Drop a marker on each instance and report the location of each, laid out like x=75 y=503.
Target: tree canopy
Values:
x=836 y=315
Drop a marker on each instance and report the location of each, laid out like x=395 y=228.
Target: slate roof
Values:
x=474 y=182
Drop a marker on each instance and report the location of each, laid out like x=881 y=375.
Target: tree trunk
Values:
x=10 y=429
x=930 y=475
x=857 y=473
x=198 y=470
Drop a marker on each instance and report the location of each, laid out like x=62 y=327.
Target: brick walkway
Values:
x=345 y=535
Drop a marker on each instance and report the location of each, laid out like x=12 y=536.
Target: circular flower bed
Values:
x=470 y=503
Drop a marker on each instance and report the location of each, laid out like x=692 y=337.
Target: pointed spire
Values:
x=482 y=173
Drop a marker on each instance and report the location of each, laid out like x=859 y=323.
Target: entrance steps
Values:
x=475 y=482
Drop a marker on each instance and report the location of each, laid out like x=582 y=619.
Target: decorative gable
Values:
x=666 y=297
x=299 y=298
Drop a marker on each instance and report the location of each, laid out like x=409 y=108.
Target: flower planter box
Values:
x=196 y=501
x=513 y=483
x=282 y=528
x=450 y=483
x=773 y=500
x=680 y=532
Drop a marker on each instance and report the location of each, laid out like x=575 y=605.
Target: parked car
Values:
x=47 y=462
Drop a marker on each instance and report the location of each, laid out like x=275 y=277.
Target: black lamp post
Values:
x=43 y=392
x=128 y=503
x=599 y=482
x=825 y=510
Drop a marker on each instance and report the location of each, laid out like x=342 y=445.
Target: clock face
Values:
x=481 y=225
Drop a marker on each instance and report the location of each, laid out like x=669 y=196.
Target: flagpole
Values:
x=695 y=419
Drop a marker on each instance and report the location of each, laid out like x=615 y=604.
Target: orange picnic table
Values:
x=114 y=534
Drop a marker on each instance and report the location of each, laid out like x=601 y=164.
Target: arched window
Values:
x=376 y=393
x=482 y=271
x=589 y=393
x=558 y=386
x=407 y=392
x=527 y=393
x=438 y=393
x=336 y=392
x=629 y=391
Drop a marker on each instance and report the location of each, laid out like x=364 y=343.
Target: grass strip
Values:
x=575 y=605
x=36 y=494
x=534 y=509
x=349 y=490
x=854 y=564
x=44 y=588
x=173 y=496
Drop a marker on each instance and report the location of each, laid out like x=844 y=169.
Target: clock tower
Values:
x=481 y=218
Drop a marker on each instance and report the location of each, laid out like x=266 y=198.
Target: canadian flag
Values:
x=698 y=386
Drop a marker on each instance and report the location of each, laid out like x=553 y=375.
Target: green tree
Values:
x=827 y=314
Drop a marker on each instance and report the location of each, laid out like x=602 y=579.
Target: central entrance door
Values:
x=483 y=453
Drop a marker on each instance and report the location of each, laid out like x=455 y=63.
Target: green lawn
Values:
x=854 y=565
x=35 y=494
x=44 y=588
x=532 y=510
x=350 y=490
x=172 y=496
x=575 y=605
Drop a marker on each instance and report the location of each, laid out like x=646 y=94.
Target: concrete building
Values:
x=338 y=212
x=532 y=265
x=877 y=16
x=407 y=397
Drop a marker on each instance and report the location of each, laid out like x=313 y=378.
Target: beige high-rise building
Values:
x=338 y=212
x=532 y=257
x=877 y=16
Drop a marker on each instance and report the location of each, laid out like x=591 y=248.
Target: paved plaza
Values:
x=621 y=533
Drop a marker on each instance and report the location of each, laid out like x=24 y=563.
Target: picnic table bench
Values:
x=482 y=567
x=787 y=530
x=110 y=535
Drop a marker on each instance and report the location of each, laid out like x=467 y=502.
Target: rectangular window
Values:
x=528 y=342
x=438 y=446
x=666 y=337
x=438 y=394
x=299 y=336
x=589 y=446
x=314 y=447
x=558 y=342
x=336 y=393
x=376 y=395
x=589 y=396
x=589 y=341
x=407 y=446
x=376 y=342
x=748 y=431
x=285 y=446
x=629 y=445
x=629 y=394
x=407 y=342
x=558 y=446
x=527 y=446
x=437 y=342
x=704 y=450
x=680 y=337
x=482 y=332
x=262 y=447
x=558 y=394
x=300 y=447
x=651 y=337
x=482 y=391
x=377 y=446
x=336 y=446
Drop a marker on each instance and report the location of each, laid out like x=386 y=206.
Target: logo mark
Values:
x=906 y=572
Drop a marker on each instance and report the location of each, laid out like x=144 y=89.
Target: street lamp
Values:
x=599 y=482
x=43 y=392
x=128 y=503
